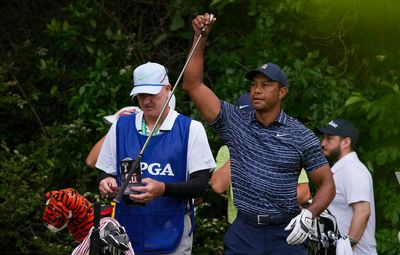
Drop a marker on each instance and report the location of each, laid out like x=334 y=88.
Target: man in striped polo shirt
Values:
x=268 y=150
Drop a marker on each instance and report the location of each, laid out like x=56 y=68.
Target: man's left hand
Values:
x=151 y=189
x=301 y=225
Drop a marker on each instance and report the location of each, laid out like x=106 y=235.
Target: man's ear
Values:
x=282 y=92
x=346 y=142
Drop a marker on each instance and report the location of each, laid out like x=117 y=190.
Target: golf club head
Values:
x=122 y=242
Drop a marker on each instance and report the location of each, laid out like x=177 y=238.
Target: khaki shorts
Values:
x=185 y=246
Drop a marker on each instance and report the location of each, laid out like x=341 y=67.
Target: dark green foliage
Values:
x=380 y=146
x=65 y=64
x=211 y=224
x=28 y=171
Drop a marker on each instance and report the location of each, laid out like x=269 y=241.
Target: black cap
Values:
x=340 y=127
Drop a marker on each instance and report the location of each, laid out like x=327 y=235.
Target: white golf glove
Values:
x=301 y=225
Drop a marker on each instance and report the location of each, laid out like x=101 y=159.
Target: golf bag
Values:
x=111 y=240
x=323 y=235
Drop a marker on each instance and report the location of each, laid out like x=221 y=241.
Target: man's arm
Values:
x=303 y=189
x=91 y=159
x=303 y=193
x=221 y=178
x=326 y=189
x=361 y=214
x=93 y=155
x=196 y=186
x=204 y=98
x=301 y=224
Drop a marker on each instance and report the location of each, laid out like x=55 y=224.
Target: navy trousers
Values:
x=243 y=238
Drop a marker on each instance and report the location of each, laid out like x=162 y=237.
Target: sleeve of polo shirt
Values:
x=223 y=156
x=303 y=177
x=220 y=123
x=357 y=185
x=199 y=155
x=107 y=158
x=313 y=157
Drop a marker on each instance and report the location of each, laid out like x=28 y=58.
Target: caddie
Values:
x=175 y=167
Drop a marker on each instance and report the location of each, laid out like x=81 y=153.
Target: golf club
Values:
x=139 y=157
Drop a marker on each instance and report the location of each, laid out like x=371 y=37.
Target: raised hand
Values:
x=202 y=24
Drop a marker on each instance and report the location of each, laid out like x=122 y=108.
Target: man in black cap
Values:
x=267 y=152
x=353 y=205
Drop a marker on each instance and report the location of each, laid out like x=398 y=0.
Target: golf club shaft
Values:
x=173 y=89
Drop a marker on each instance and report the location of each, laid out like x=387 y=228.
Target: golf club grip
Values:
x=118 y=198
x=209 y=19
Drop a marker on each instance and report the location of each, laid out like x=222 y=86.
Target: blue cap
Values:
x=244 y=103
x=272 y=71
x=340 y=127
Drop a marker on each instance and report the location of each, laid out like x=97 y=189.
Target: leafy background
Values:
x=65 y=64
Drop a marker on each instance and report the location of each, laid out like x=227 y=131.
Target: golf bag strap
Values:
x=95 y=236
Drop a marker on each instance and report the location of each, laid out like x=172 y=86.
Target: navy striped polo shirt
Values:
x=266 y=161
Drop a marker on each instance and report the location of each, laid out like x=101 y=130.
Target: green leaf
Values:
x=395 y=217
x=396 y=87
x=160 y=39
x=90 y=49
x=354 y=100
x=50 y=162
x=381 y=157
x=65 y=26
x=54 y=25
x=90 y=38
x=177 y=22
x=93 y=23
x=82 y=90
x=42 y=64
x=108 y=33
x=54 y=90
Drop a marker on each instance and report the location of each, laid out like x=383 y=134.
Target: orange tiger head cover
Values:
x=68 y=208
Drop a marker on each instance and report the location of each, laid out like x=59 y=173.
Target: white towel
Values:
x=343 y=246
x=84 y=247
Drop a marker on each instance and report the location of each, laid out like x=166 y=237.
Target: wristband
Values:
x=102 y=175
x=353 y=242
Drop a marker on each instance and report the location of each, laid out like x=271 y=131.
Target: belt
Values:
x=265 y=220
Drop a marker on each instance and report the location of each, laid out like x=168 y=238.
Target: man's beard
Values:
x=333 y=156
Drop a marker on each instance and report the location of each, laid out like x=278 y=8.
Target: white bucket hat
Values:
x=110 y=119
x=149 y=78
